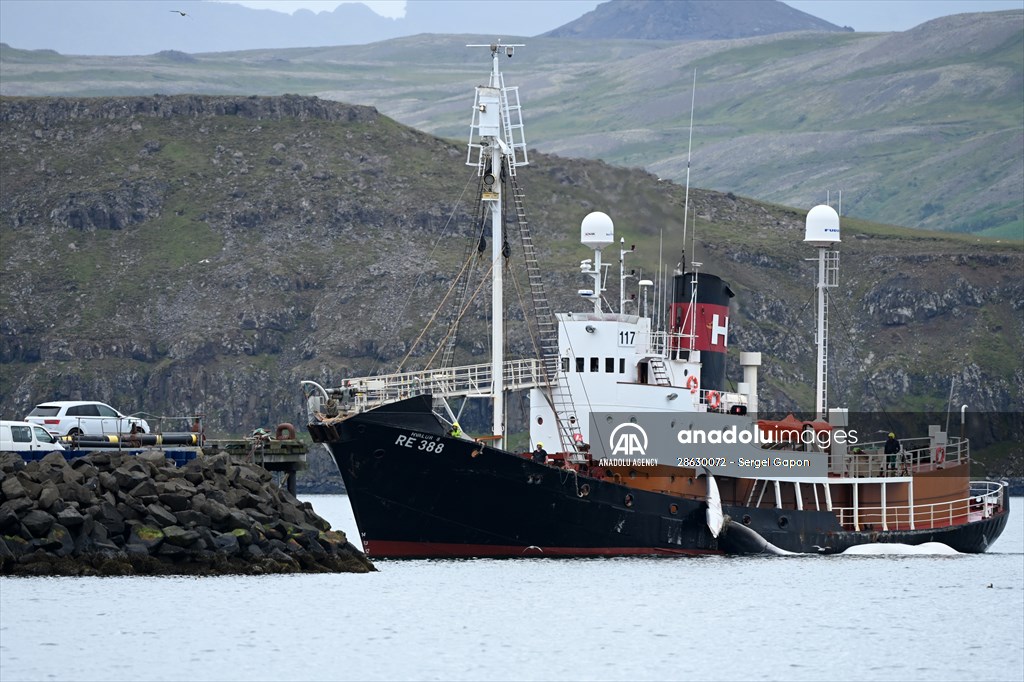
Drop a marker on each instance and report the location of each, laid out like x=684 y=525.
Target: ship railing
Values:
x=359 y=394
x=918 y=455
x=986 y=499
x=669 y=344
x=718 y=401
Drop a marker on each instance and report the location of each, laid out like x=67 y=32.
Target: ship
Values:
x=637 y=445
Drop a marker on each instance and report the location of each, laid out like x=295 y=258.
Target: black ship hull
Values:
x=808 y=532
x=417 y=492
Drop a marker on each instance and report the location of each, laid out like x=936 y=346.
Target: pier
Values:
x=287 y=455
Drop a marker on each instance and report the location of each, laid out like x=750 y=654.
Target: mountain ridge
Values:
x=919 y=128
x=689 y=20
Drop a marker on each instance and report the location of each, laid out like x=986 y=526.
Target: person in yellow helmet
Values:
x=540 y=455
x=892 y=448
x=456 y=431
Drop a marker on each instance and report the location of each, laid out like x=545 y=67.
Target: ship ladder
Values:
x=512 y=121
x=659 y=371
x=559 y=394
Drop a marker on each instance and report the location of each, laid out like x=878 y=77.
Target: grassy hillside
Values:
x=195 y=254
x=921 y=128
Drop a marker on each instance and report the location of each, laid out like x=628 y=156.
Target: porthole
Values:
x=540 y=420
x=629 y=500
x=783 y=521
x=673 y=509
x=746 y=519
x=378 y=453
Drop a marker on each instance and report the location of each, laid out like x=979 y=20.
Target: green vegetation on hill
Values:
x=921 y=128
x=198 y=254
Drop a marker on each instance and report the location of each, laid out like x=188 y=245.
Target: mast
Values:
x=491 y=134
x=686 y=212
x=497 y=282
x=622 y=272
x=822 y=231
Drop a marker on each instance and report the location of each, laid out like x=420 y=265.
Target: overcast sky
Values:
x=142 y=27
x=861 y=15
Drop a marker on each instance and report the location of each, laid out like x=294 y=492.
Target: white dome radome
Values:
x=822 y=226
x=597 y=230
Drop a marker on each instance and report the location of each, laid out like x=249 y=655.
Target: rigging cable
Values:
x=398 y=318
x=462 y=313
x=434 y=315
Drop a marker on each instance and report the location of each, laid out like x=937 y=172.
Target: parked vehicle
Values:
x=26 y=437
x=83 y=418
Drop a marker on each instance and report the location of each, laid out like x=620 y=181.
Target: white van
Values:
x=26 y=437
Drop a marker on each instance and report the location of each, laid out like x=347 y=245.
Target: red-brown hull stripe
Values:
x=395 y=549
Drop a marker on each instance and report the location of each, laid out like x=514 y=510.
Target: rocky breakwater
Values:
x=116 y=514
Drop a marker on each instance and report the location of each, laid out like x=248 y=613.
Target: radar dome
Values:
x=597 y=230
x=822 y=226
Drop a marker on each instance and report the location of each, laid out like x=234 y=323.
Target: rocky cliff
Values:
x=187 y=254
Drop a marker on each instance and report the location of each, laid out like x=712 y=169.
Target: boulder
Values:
x=37 y=523
x=147 y=536
x=176 y=535
x=12 y=488
x=70 y=518
x=161 y=516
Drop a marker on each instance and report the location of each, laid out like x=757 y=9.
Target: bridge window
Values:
x=579 y=364
x=595 y=364
x=609 y=365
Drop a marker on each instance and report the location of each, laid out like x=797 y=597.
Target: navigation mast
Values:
x=822 y=231
x=496 y=142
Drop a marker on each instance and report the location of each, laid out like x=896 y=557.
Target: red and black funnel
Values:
x=707 y=322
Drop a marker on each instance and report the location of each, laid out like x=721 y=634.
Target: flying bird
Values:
x=184 y=14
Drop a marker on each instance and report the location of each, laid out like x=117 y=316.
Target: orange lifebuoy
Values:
x=693 y=383
x=940 y=455
x=714 y=400
x=281 y=429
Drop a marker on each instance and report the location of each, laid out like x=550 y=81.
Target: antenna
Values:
x=693 y=246
x=689 y=148
x=659 y=291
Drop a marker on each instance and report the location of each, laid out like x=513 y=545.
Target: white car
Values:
x=83 y=418
x=25 y=437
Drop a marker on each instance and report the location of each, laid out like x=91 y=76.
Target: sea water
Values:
x=860 y=617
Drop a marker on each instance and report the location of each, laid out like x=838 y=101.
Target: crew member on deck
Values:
x=455 y=432
x=892 y=448
x=540 y=455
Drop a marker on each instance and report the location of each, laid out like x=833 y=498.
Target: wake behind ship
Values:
x=635 y=410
